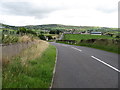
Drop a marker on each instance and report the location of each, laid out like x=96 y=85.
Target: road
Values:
x=83 y=67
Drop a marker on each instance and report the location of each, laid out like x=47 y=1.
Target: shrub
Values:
x=49 y=37
x=6 y=39
x=42 y=37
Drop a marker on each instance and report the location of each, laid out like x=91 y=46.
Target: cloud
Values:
x=68 y=12
x=28 y=8
x=106 y=10
x=110 y=6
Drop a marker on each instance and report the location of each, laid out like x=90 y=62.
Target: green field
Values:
x=106 y=43
x=37 y=73
x=79 y=37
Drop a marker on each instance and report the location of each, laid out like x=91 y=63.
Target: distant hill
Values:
x=8 y=26
x=61 y=27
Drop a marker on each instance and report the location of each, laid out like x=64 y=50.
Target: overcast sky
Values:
x=68 y=12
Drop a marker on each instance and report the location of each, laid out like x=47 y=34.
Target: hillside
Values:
x=61 y=27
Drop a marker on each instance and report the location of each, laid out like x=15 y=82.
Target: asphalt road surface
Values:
x=83 y=67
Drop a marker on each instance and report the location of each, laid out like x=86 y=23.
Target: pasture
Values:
x=102 y=42
x=79 y=37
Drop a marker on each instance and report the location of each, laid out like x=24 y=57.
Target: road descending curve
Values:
x=83 y=67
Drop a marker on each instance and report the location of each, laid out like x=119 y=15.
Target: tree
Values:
x=42 y=37
x=41 y=32
x=117 y=36
x=31 y=32
x=52 y=32
x=58 y=31
x=49 y=37
x=21 y=30
x=55 y=32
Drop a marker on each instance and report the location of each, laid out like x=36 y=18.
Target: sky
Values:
x=102 y=13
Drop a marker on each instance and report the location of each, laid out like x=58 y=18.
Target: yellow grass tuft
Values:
x=34 y=51
x=26 y=38
x=29 y=53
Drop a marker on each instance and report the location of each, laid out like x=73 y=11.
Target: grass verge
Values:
x=35 y=73
x=112 y=48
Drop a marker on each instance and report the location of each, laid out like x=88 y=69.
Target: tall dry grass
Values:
x=34 y=51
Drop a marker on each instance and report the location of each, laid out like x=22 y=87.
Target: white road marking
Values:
x=76 y=49
x=106 y=64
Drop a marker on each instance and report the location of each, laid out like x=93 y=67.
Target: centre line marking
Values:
x=106 y=64
x=76 y=49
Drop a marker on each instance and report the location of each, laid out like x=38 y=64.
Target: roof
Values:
x=96 y=32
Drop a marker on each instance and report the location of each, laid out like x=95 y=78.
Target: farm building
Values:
x=67 y=32
x=96 y=33
x=76 y=32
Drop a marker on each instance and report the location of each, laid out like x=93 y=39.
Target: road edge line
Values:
x=54 y=69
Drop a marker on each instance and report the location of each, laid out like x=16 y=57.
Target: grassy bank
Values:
x=111 y=48
x=79 y=37
x=30 y=71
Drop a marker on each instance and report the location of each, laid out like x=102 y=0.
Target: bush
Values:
x=49 y=37
x=104 y=44
x=42 y=37
x=7 y=39
x=31 y=32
